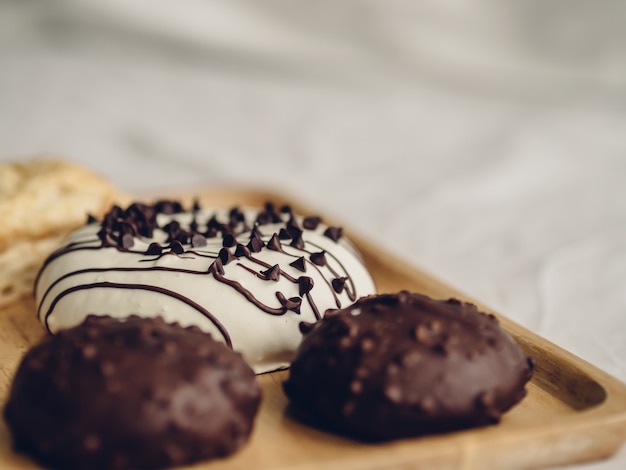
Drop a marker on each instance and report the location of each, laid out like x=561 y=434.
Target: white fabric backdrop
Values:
x=486 y=136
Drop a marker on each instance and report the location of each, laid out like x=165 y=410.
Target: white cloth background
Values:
x=483 y=141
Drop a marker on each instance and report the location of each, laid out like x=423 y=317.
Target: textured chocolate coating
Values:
x=399 y=365
x=127 y=395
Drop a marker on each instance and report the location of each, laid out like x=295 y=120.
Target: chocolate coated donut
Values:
x=399 y=365
x=132 y=394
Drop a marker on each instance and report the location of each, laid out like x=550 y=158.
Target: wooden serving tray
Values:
x=574 y=412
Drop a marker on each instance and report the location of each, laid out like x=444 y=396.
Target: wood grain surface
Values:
x=574 y=412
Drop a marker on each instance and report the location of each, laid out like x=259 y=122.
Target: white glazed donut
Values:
x=247 y=276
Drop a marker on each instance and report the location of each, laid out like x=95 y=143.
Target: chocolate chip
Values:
x=274 y=243
x=334 y=233
x=271 y=209
x=128 y=227
x=154 y=249
x=284 y=234
x=226 y=256
x=319 y=258
x=293 y=304
x=311 y=223
x=339 y=284
x=305 y=284
x=272 y=274
x=242 y=251
x=214 y=223
x=181 y=236
x=293 y=228
x=255 y=245
x=172 y=227
x=127 y=241
x=169 y=207
x=263 y=218
x=198 y=241
x=211 y=232
x=298 y=242
x=255 y=232
x=299 y=264
x=108 y=240
x=177 y=247
x=229 y=240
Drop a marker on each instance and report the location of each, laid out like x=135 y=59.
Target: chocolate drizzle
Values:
x=148 y=233
x=159 y=290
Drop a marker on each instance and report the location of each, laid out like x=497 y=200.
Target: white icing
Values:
x=266 y=341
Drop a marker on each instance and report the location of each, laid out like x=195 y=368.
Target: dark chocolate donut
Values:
x=140 y=393
x=400 y=365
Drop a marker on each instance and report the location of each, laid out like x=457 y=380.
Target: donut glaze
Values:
x=247 y=276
